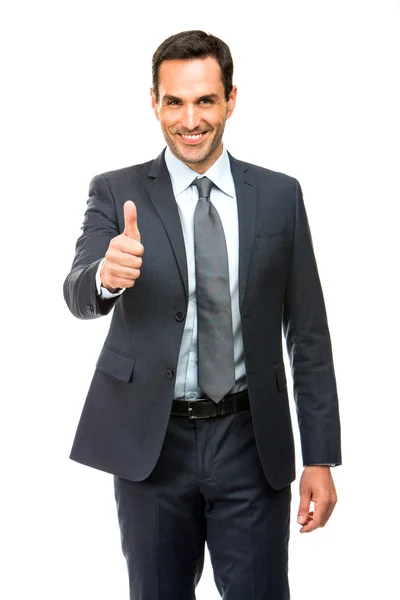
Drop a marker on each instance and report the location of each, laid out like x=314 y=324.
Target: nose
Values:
x=190 y=117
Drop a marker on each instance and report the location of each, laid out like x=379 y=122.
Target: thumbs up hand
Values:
x=123 y=259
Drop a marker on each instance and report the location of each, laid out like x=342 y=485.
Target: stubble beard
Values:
x=196 y=158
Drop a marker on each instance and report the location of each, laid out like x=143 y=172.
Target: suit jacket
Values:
x=126 y=413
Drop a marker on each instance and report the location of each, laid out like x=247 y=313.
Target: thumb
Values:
x=304 y=508
x=302 y=514
x=130 y=219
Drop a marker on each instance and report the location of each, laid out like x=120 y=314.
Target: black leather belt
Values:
x=206 y=408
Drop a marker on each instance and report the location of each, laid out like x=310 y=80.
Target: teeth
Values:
x=192 y=137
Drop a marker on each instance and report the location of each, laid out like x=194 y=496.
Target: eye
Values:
x=172 y=102
x=206 y=101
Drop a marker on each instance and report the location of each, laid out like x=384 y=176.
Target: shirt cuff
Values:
x=103 y=292
x=321 y=465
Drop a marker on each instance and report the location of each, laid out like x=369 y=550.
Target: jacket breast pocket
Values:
x=269 y=240
x=116 y=364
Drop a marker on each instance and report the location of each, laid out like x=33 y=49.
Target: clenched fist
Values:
x=123 y=259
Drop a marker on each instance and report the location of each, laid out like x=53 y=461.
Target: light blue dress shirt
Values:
x=223 y=197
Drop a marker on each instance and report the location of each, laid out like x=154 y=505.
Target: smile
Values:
x=193 y=138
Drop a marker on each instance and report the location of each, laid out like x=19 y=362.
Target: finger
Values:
x=118 y=271
x=123 y=259
x=130 y=220
x=332 y=508
x=121 y=282
x=304 y=507
x=319 y=517
x=121 y=248
x=129 y=260
x=307 y=523
x=310 y=525
x=327 y=513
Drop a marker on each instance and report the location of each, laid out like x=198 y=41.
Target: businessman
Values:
x=204 y=259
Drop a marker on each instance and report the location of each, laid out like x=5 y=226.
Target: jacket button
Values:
x=90 y=308
x=169 y=374
x=179 y=316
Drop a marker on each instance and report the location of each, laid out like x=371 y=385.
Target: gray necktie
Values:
x=216 y=367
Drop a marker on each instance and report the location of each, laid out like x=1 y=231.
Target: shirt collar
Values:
x=182 y=176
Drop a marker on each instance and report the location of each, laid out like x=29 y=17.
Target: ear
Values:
x=154 y=104
x=231 y=101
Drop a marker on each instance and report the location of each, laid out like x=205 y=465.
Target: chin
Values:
x=192 y=157
x=195 y=155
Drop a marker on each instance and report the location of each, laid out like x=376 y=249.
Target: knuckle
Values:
x=110 y=254
x=130 y=246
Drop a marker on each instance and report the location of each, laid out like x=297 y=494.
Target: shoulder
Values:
x=262 y=176
x=127 y=174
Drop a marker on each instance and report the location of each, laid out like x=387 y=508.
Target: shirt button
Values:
x=179 y=316
x=192 y=395
x=169 y=374
x=196 y=360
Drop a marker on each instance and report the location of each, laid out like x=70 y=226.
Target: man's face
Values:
x=192 y=110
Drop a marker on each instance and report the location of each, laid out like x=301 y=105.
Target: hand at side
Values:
x=316 y=485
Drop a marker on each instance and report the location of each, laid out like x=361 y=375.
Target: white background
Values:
x=318 y=99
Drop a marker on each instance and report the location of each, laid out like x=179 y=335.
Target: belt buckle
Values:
x=191 y=415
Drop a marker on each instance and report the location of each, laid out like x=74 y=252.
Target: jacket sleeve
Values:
x=308 y=343
x=99 y=227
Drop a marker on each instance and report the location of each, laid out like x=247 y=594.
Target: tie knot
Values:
x=204 y=186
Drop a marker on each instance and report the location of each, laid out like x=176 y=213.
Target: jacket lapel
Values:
x=159 y=190
x=246 y=196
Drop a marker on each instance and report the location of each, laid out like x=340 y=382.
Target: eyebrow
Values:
x=170 y=98
x=209 y=97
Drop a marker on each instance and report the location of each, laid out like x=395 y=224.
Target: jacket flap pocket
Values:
x=280 y=375
x=115 y=364
x=278 y=238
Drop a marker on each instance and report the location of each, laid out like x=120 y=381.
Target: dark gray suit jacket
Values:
x=127 y=408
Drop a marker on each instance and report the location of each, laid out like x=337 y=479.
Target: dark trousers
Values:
x=208 y=486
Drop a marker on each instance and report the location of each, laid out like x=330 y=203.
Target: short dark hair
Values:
x=190 y=45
